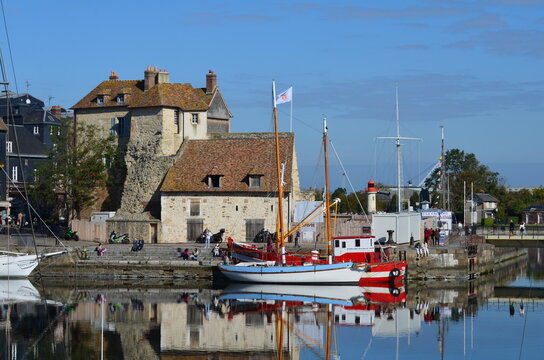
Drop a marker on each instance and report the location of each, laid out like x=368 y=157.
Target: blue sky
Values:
x=475 y=67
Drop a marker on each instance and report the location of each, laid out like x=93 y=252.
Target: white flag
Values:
x=285 y=96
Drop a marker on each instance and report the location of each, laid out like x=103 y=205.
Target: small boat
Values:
x=15 y=264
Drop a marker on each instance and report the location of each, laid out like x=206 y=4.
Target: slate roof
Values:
x=234 y=158
x=182 y=96
x=485 y=197
x=534 y=208
x=37 y=117
x=29 y=144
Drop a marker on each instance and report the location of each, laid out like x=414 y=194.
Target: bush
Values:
x=487 y=222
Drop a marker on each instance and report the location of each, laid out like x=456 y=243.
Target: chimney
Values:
x=113 y=76
x=211 y=82
x=55 y=111
x=163 y=77
x=150 y=77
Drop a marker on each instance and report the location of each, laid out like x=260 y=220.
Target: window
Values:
x=194 y=118
x=336 y=243
x=214 y=181
x=194 y=207
x=36 y=130
x=9 y=146
x=26 y=162
x=100 y=99
x=124 y=126
x=255 y=181
x=176 y=121
x=14 y=173
x=194 y=228
x=343 y=244
x=113 y=126
x=58 y=130
x=253 y=226
x=50 y=130
x=121 y=98
x=35 y=173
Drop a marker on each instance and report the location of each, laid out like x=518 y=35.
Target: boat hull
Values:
x=344 y=273
x=17 y=266
x=384 y=272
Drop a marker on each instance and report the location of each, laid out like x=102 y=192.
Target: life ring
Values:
x=394 y=273
x=394 y=291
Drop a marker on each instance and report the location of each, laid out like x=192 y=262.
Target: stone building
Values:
x=228 y=181
x=533 y=214
x=150 y=119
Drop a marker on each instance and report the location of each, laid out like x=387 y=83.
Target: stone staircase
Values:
x=152 y=254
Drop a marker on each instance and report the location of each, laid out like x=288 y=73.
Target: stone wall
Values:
x=219 y=211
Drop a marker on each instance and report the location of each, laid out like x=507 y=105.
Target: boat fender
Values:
x=394 y=291
x=394 y=273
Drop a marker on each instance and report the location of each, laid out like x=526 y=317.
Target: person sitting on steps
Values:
x=185 y=254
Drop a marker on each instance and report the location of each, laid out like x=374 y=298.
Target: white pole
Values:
x=291 y=115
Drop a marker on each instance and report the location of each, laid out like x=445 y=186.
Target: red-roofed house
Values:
x=228 y=181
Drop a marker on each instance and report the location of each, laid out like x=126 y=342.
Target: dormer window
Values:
x=254 y=181
x=194 y=119
x=121 y=98
x=100 y=99
x=214 y=181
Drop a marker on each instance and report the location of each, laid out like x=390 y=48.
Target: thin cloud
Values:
x=215 y=19
x=413 y=47
x=411 y=12
x=485 y=21
x=466 y=44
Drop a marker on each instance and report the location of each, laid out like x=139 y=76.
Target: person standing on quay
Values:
x=521 y=229
x=512 y=226
x=208 y=238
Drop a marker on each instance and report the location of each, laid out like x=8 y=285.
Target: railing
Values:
x=503 y=231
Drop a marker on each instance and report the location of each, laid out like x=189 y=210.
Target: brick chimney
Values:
x=55 y=111
x=211 y=82
x=163 y=77
x=113 y=76
x=150 y=77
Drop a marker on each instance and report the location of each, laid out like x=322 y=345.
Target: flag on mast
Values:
x=284 y=97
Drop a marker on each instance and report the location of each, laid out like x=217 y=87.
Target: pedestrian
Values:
x=417 y=246
x=297 y=239
x=194 y=254
x=459 y=228
x=185 y=254
x=521 y=229
x=512 y=227
x=100 y=250
x=216 y=251
x=425 y=249
x=208 y=238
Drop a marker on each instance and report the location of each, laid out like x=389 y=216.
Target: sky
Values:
x=473 y=67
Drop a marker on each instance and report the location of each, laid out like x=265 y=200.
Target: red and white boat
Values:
x=357 y=249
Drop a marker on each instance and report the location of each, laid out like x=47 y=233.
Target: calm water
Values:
x=500 y=317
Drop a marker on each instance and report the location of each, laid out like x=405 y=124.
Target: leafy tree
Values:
x=72 y=174
x=463 y=167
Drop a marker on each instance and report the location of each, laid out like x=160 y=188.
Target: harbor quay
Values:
x=460 y=259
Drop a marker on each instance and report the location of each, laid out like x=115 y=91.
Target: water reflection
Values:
x=488 y=318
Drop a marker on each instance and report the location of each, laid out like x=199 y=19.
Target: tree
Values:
x=463 y=167
x=72 y=174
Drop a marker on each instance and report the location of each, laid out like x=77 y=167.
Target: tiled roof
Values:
x=486 y=197
x=182 y=96
x=232 y=158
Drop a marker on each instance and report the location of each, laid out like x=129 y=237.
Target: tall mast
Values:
x=397 y=139
x=280 y=229
x=399 y=195
x=443 y=171
x=327 y=194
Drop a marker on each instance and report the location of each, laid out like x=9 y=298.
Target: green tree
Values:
x=463 y=167
x=72 y=174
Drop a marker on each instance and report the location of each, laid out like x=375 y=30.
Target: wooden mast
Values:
x=327 y=194
x=280 y=229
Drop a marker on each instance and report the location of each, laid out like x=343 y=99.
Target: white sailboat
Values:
x=262 y=272
x=15 y=264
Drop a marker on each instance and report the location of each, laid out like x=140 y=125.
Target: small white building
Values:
x=404 y=225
